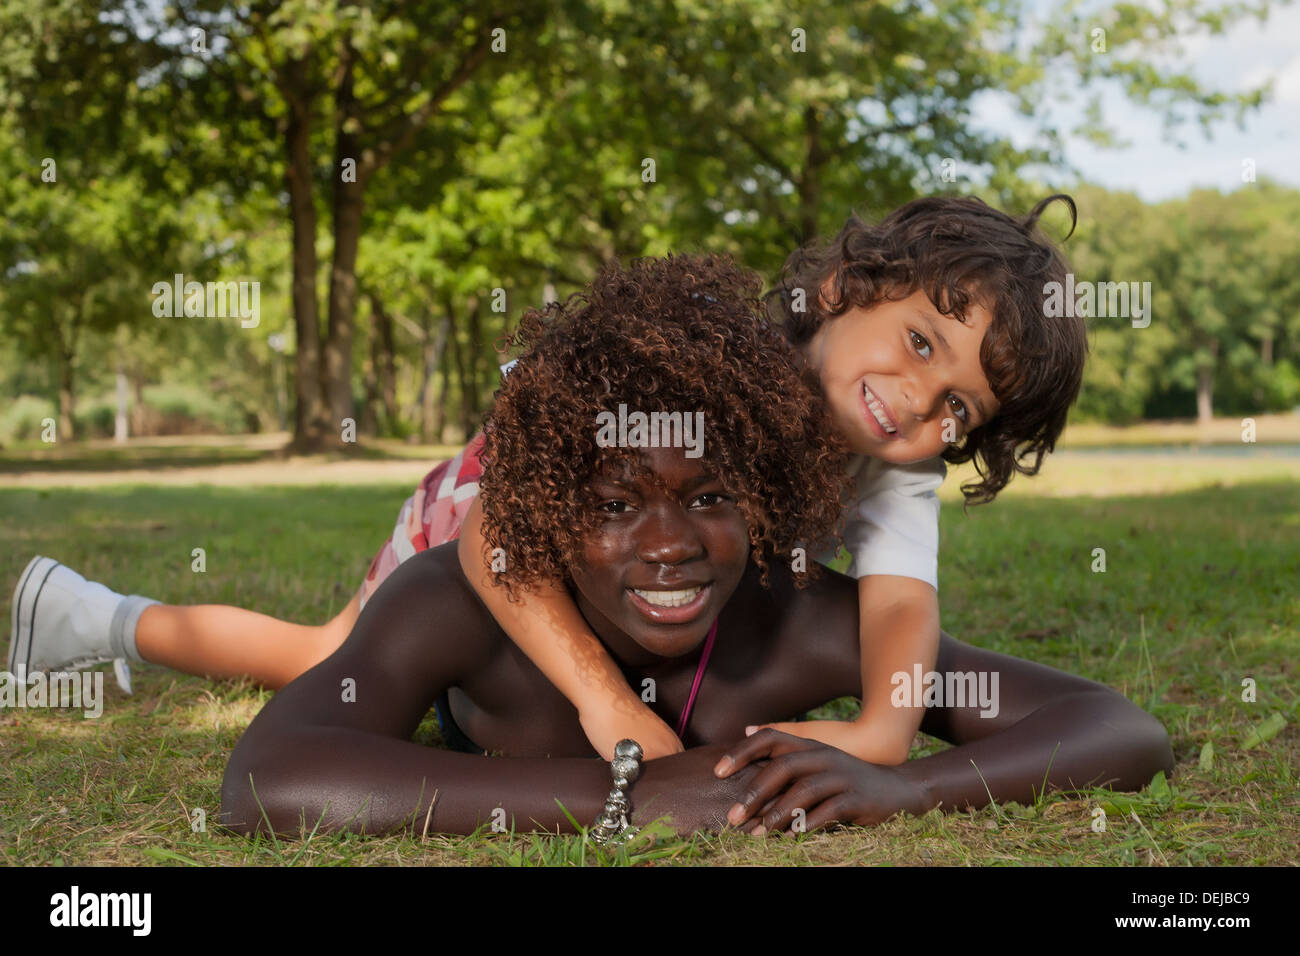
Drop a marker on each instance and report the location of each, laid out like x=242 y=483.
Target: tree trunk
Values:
x=137 y=404
x=368 y=424
x=440 y=364
x=458 y=366
x=66 y=341
x=310 y=411
x=120 y=427
x=428 y=362
x=474 y=363
x=1204 y=395
x=1205 y=387
x=810 y=181
x=465 y=354
x=444 y=393
x=67 y=400
x=281 y=393
x=336 y=373
x=382 y=355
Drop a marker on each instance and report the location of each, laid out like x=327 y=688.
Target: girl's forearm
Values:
x=1080 y=740
x=345 y=779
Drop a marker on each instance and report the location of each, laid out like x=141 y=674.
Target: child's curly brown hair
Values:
x=960 y=250
x=680 y=334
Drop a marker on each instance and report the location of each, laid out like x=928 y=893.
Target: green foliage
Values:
x=1226 y=313
x=523 y=169
x=186 y=402
x=21 y=420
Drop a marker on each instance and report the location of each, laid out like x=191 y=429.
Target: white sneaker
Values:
x=62 y=622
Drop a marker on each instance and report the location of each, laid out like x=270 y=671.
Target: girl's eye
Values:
x=958 y=406
x=710 y=498
x=920 y=342
x=612 y=507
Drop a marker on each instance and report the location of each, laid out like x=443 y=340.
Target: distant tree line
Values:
x=403 y=179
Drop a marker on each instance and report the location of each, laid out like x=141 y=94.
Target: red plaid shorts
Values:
x=430 y=517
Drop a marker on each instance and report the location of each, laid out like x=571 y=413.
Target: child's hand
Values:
x=855 y=737
x=606 y=726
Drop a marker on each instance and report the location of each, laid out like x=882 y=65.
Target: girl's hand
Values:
x=828 y=785
x=686 y=791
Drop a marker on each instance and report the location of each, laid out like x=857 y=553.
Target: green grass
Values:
x=1200 y=591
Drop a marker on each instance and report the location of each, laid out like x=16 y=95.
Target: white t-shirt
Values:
x=891 y=525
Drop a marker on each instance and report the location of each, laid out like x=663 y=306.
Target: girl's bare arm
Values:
x=333 y=747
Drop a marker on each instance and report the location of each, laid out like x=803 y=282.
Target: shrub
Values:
x=21 y=420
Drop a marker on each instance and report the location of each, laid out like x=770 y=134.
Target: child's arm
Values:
x=548 y=627
x=899 y=629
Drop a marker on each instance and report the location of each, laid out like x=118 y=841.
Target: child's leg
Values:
x=217 y=640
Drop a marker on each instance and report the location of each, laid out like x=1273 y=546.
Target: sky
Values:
x=1155 y=168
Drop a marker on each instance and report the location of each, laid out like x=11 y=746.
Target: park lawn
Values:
x=1199 y=592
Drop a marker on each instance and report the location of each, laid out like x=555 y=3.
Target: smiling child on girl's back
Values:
x=931 y=342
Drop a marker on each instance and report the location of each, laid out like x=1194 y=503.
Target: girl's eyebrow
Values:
x=628 y=484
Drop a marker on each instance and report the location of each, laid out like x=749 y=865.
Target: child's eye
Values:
x=920 y=342
x=958 y=406
x=612 y=507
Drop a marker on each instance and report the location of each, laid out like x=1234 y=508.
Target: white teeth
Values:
x=878 y=409
x=668 y=598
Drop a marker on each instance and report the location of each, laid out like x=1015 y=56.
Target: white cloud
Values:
x=1245 y=56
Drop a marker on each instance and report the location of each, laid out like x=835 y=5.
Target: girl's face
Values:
x=902 y=380
x=653 y=577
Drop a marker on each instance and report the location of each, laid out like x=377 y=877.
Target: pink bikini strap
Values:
x=699 y=676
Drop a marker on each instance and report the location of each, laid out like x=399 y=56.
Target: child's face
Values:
x=691 y=539
x=902 y=380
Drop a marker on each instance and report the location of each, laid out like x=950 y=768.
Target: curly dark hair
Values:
x=960 y=250
x=683 y=334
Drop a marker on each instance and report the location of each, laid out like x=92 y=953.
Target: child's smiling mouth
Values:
x=878 y=414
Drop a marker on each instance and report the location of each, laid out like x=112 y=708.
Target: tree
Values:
x=547 y=141
x=343 y=88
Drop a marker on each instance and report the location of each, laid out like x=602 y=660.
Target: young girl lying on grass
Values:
x=983 y=376
x=335 y=745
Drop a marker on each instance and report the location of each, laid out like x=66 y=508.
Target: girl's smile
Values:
x=679 y=605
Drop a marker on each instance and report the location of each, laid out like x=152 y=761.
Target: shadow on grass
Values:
x=76 y=457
